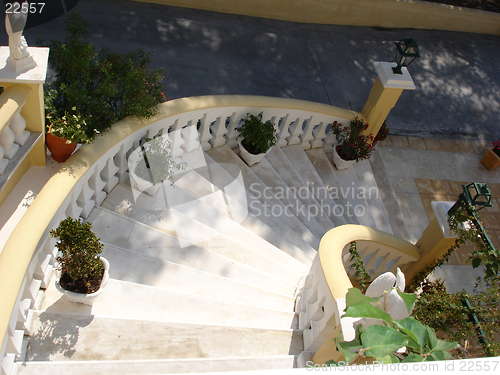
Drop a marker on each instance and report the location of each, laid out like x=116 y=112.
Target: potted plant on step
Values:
x=152 y=164
x=492 y=158
x=352 y=146
x=256 y=138
x=83 y=273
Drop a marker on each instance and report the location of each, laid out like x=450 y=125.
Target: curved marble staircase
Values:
x=196 y=286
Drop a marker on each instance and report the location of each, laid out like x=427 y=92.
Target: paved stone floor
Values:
x=422 y=170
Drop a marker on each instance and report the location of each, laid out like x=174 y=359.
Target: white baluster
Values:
x=109 y=175
x=97 y=185
x=18 y=126
x=85 y=200
x=283 y=132
x=175 y=136
x=3 y=162
x=231 y=135
x=306 y=136
x=218 y=130
x=295 y=131
x=204 y=131
x=7 y=142
x=319 y=134
x=191 y=137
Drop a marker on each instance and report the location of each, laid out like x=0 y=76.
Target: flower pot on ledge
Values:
x=59 y=148
x=491 y=160
x=339 y=162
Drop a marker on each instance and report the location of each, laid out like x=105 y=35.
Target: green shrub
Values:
x=258 y=136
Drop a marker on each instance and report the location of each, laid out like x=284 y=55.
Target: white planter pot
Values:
x=86 y=299
x=138 y=183
x=340 y=163
x=250 y=158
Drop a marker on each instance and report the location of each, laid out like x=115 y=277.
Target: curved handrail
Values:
x=333 y=243
x=22 y=244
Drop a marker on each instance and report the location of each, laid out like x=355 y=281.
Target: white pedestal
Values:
x=391 y=80
x=35 y=74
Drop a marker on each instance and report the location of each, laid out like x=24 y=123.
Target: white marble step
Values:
x=256 y=188
x=219 y=233
x=127 y=233
x=367 y=181
x=98 y=338
x=287 y=172
x=125 y=300
x=297 y=156
x=160 y=367
x=230 y=185
x=140 y=269
x=326 y=171
x=278 y=187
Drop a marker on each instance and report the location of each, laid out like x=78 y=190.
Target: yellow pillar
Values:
x=435 y=241
x=384 y=95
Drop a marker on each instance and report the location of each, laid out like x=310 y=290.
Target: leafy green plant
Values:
x=362 y=277
x=451 y=317
x=80 y=249
x=383 y=133
x=389 y=340
x=352 y=145
x=71 y=126
x=158 y=163
x=103 y=85
x=258 y=136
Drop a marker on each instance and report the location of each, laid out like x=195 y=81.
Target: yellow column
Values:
x=435 y=241
x=384 y=95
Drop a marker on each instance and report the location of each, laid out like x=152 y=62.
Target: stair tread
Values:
x=98 y=338
x=141 y=302
x=126 y=233
x=255 y=188
x=140 y=269
x=310 y=176
x=286 y=170
x=167 y=366
x=235 y=242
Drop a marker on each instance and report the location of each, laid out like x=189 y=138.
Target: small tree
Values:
x=79 y=261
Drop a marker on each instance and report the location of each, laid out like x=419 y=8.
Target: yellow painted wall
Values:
x=381 y=13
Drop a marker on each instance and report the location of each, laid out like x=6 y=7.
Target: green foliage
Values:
x=352 y=145
x=71 y=126
x=362 y=277
x=447 y=314
x=158 y=163
x=258 y=136
x=467 y=224
x=80 y=249
x=104 y=86
x=403 y=340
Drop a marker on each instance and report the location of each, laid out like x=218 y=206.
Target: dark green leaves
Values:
x=381 y=341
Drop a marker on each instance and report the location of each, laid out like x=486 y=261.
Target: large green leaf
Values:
x=445 y=345
x=414 y=329
x=390 y=358
x=348 y=355
x=408 y=298
x=354 y=296
x=381 y=341
x=432 y=340
x=413 y=358
x=366 y=310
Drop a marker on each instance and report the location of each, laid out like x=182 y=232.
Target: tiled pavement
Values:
x=422 y=170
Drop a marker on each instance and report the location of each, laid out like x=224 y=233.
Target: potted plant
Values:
x=104 y=86
x=381 y=135
x=152 y=164
x=83 y=273
x=64 y=132
x=352 y=146
x=256 y=138
x=492 y=158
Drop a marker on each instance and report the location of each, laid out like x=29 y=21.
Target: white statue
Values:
x=19 y=55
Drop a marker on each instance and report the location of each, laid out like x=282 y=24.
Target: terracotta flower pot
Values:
x=59 y=148
x=491 y=160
